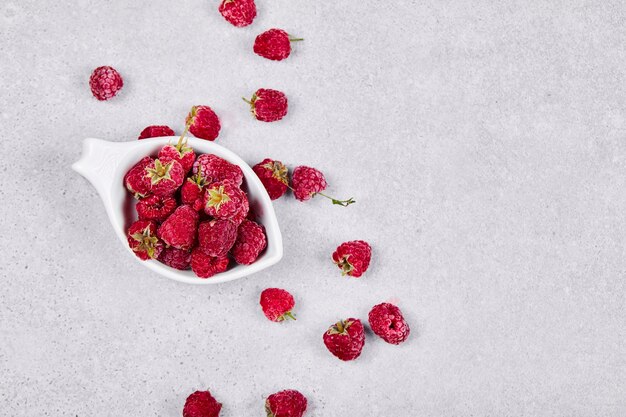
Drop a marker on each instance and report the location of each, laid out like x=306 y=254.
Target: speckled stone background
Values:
x=485 y=143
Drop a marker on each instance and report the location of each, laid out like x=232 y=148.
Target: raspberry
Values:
x=277 y=304
x=287 y=403
x=205 y=266
x=239 y=13
x=214 y=169
x=165 y=177
x=136 y=180
x=308 y=182
x=353 y=258
x=216 y=237
x=274 y=44
x=268 y=105
x=386 y=321
x=181 y=153
x=191 y=192
x=203 y=123
x=201 y=404
x=155 y=208
x=249 y=244
x=156 y=132
x=105 y=82
x=179 y=229
x=143 y=240
x=345 y=339
x=224 y=200
x=176 y=258
x=273 y=176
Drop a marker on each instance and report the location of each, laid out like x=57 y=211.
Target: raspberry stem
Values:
x=342 y=203
x=246 y=100
x=295 y=39
x=180 y=140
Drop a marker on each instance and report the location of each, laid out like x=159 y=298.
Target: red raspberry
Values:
x=165 y=177
x=287 y=403
x=274 y=44
x=345 y=339
x=203 y=123
x=136 y=179
x=274 y=176
x=386 y=321
x=239 y=13
x=143 y=240
x=214 y=169
x=192 y=192
x=105 y=82
x=201 y=404
x=156 y=132
x=250 y=242
x=155 y=208
x=277 y=304
x=205 y=266
x=216 y=237
x=176 y=258
x=181 y=153
x=179 y=229
x=353 y=258
x=224 y=200
x=268 y=105
x=308 y=182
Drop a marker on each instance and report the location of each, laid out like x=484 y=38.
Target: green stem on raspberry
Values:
x=180 y=140
x=295 y=39
x=246 y=100
x=289 y=315
x=342 y=203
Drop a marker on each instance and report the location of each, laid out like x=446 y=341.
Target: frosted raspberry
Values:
x=201 y=404
x=216 y=237
x=181 y=153
x=287 y=403
x=191 y=192
x=387 y=321
x=274 y=44
x=165 y=177
x=273 y=176
x=156 y=132
x=143 y=240
x=250 y=242
x=308 y=182
x=179 y=229
x=176 y=258
x=214 y=169
x=136 y=179
x=203 y=123
x=224 y=200
x=205 y=266
x=238 y=13
x=105 y=82
x=268 y=105
x=155 y=208
x=353 y=258
x=345 y=339
x=277 y=304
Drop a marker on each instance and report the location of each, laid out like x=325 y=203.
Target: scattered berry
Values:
x=165 y=177
x=179 y=229
x=136 y=179
x=176 y=258
x=287 y=403
x=224 y=200
x=345 y=339
x=274 y=44
x=214 y=169
x=201 y=404
x=191 y=192
x=156 y=132
x=277 y=304
x=205 y=266
x=353 y=258
x=273 y=176
x=155 y=208
x=308 y=182
x=105 y=82
x=143 y=240
x=386 y=321
x=216 y=237
x=268 y=105
x=238 y=13
x=249 y=244
x=203 y=123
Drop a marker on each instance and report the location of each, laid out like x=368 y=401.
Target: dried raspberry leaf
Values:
x=217 y=197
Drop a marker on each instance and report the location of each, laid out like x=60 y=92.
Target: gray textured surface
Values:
x=485 y=144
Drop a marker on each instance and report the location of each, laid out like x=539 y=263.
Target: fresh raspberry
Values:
x=176 y=258
x=277 y=304
x=308 y=182
x=105 y=82
x=214 y=169
x=203 y=123
x=165 y=177
x=143 y=240
x=268 y=105
x=274 y=44
x=273 y=176
x=179 y=229
x=287 y=403
x=345 y=339
x=387 y=321
x=181 y=153
x=224 y=200
x=250 y=242
x=156 y=132
x=216 y=237
x=353 y=258
x=201 y=404
x=238 y=13
x=136 y=179
x=155 y=208
x=205 y=266
x=191 y=192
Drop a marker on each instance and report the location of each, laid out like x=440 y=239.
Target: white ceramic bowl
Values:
x=105 y=163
